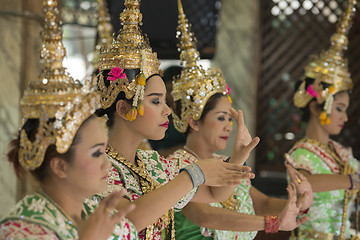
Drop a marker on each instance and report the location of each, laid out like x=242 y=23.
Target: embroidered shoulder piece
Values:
x=38 y=209
x=120 y=177
x=336 y=160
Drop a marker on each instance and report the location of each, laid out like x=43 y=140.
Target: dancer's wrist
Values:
x=271 y=224
x=196 y=174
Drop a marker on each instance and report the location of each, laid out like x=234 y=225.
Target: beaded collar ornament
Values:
x=104 y=29
x=147 y=185
x=330 y=67
x=130 y=50
x=54 y=96
x=194 y=86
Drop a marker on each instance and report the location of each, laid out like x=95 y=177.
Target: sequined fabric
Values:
x=160 y=170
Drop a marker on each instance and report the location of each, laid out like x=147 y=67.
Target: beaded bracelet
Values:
x=271 y=224
x=351 y=183
x=196 y=174
x=354 y=179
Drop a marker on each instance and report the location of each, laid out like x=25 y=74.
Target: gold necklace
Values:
x=147 y=184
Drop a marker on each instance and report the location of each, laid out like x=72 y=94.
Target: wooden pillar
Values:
x=20 y=24
x=237 y=46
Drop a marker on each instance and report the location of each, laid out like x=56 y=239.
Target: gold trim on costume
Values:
x=147 y=185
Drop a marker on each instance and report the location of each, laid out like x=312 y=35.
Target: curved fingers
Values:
x=236 y=167
x=291 y=172
x=237 y=116
x=301 y=220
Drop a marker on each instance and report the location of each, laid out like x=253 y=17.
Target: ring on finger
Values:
x=298 y=180
x=108 y=210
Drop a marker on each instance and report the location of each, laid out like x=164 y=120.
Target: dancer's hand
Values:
x=288 y=217
x=218 y=173
x=302 y=186
x=243 y=144
x=100 y=224
x=243 y=137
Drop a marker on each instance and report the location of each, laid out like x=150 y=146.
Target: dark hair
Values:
x=210 y=105
x=109 y=112
x=168 y=77
x=171 y=72
x=30 y=127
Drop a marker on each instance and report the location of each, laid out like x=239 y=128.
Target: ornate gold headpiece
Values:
x=194 y=86
x=329 y=70
x=104 y=29
x=130 y=50
x=60 y=103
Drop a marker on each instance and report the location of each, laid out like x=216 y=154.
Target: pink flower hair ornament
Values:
x=116 y=73
x=227 y=89
x=312 y=92
x=228 y=93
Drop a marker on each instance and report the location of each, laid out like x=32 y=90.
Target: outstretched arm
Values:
x=265 y=205
x=320 y=182
x=327 y=182
x=223 y=219
x=154 y=204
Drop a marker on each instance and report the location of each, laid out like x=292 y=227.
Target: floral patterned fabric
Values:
x=37 y=217
x=185 y=229
x=160 y=170
x=325 y=214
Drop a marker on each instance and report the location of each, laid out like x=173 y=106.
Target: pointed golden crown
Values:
x=330 y=67
x=130 y=50
x=194 y=86
x=104 y=29
x=60 y=103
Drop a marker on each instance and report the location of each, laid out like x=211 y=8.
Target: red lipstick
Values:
x=165 y=124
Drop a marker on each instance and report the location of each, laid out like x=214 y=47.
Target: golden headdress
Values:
x=329 y=70
x=130 y=50
x=194 y=86
x=60 y=103
x=104 y=29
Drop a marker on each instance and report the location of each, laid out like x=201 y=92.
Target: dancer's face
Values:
x=338 y=114
x=216 y=126
x=88 y=170
x=153 y=124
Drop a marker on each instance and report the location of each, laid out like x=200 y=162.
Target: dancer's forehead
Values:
x=155 y=86
x=92 y=134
